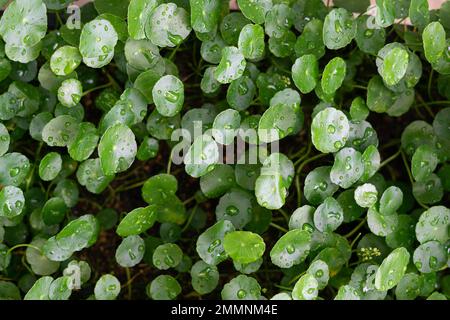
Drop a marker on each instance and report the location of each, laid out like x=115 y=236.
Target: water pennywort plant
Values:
x=179 y=150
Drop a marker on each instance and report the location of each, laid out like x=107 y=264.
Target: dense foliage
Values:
x=353 y=205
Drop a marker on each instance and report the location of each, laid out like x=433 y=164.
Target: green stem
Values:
x=359 y=87
x=187 y=201
x=283 y=287
x=112 y=80
x=391 y=158
x=22 y=245
x=92 y=203
x=359 y=226
x=433 y=103
x=285 y=215
x=276 y=226
x=299 y=170
x=191 y=216
x=131 y=186
x=103 y=86
x=169 y=163
x=411 y=179
x=129 y=282
x=37 y=158
x=296 y=277
x=430 y=79
x=174 y=51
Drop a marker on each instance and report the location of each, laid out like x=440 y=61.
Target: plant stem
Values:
x=276 y=226
x=359 y=226
x=411 y=179
x=430 y=79
x=299 y=170
x=285 y=215
x=391 y=158
x=103 y=86
x=129 y=285
x=169 y=163
x=359 y=87
x=191 y=216
x=22 y=245
x=296 y=277
x=132 y=186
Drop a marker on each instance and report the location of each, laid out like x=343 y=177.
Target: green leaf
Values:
x=394 y=65
x=231 y=66
x=138 y=13
x=306 y=288
x=40 y=289
x=284 y=117
x=318 y=185
x=369 y=38
x=424 y=162
x=168 y=95
x=205 y=277
x=167 y=256
x=84 y=143
x=107 y=287
x=163 y=287
x=24 y=23
x=381 y=225
x=333 y=75
x=366 y=195
x=255 y=10
x=211 y=50
x=329 y=130
x=291 y=249
x=244 y=246
x=392 y=269
x=225 y=126
x=235 y=206
x=241 y=288
x=329 y=215
x=347 y=292
x=319 y=270
x=116 y=7
x=130 y=251
x=12 y=202
x=202 y=156
x=339 y=29
x=347 y=168
x=60 y=289
x=137 y=221
x=205 y=15
x=4 y=139
x=278 y=20
x=305 y=73
x=90 y=175
x=430 y=256
x=419 y=13
x=433 y=225
x=310 y=41
x=167 y=25
x=385 y=15
x=50 y=166
x=434 y=41
x=210 y=242
x=15 y=169
x=97 y=42
x=240 y=93
x=60 y=131
x=54 y=211
x=65 y=60
x=117 y=149
x=251 y=41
